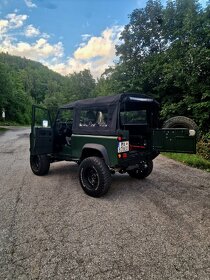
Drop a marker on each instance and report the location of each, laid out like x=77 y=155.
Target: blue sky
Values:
x=65 y=35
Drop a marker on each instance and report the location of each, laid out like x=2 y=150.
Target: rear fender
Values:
x=93 y=149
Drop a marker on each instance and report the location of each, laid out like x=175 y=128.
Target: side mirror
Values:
x=45 y=123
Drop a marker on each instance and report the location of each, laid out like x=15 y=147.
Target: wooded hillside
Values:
x=24 y=82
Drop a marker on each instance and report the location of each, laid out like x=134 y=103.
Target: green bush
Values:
x=203 y=146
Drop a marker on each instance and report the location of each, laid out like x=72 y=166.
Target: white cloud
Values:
x=30 y=4
x=3 y=26
x=31 y=31
x=73 y=65
x=41 y=50
x=97 y=46
x=96 y=54
x=45 y=35
x=12 y=21
x=85 y=37
x=82 y=44
x=15 y=21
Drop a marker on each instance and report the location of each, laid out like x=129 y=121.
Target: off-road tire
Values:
x=142 y=173
x=40 y=164
x=94 y=176
x=182 y=122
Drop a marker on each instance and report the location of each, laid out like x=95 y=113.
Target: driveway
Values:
x=157 y=228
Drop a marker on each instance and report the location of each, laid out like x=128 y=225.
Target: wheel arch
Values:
x=95 y=150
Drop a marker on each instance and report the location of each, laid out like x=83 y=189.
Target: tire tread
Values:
x=44 y=165
x=104 y=173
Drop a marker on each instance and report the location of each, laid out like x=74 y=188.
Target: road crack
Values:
x=11 y=237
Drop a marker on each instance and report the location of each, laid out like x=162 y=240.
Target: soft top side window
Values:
x=94 y=118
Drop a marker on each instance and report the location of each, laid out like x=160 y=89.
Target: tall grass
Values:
x=191 y=160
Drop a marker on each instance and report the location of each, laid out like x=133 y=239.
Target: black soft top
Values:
x=110 y=100
x=112 y=104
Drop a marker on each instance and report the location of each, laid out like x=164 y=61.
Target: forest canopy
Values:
x=164 y=52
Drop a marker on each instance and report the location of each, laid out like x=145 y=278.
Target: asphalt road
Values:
x=158 y=228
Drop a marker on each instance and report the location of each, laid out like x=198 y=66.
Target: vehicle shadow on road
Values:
x=125 y=187
x=63 y=169
x=122 y=184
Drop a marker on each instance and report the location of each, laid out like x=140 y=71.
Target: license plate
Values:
x=123 y=146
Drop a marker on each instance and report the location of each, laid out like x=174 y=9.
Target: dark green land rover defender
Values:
x=104 y=135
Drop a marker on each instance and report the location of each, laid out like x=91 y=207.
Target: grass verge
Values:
x=191 y=160
x=2 y=129
x=9 y=123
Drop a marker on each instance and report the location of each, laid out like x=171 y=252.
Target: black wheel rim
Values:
x=139 y=171
x=35 y=163
x=91 y=177
x=144 y=167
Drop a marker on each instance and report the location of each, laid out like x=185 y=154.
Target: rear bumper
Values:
x=134 y=158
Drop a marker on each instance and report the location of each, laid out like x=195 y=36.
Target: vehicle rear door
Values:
x=41 y=136
x=176 y=140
